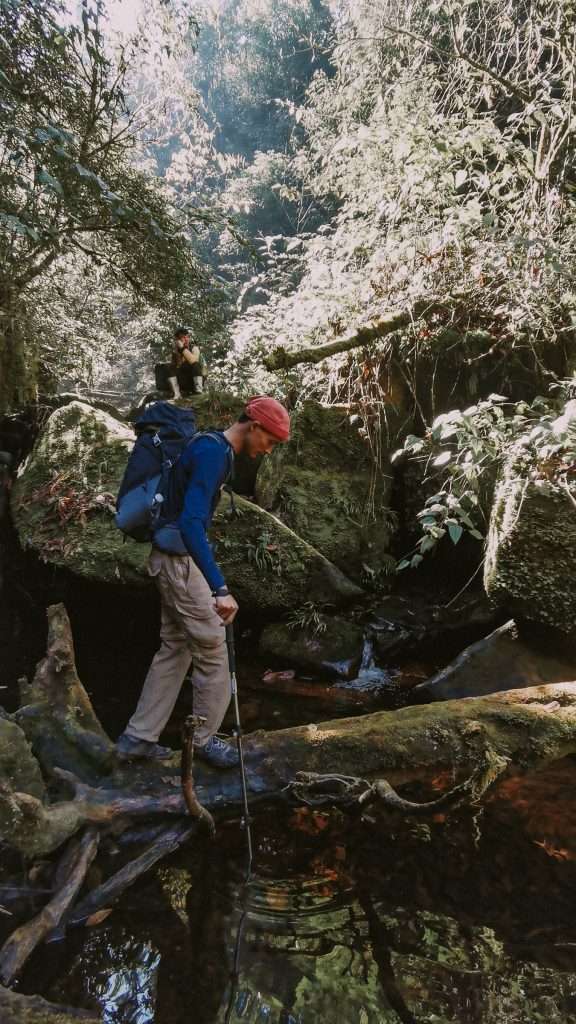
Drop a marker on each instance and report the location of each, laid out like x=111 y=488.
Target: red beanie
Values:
x=270 y=415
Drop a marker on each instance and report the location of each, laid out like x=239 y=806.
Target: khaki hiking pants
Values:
x=190 y=629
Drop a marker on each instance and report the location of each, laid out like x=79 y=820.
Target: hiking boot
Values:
x=128 y=748
x=218 y=753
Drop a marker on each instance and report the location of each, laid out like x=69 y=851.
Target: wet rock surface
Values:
x=334 y=649
x=400 y=625
x=501 y=661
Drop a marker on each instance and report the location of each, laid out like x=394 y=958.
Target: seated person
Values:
x=186 y=371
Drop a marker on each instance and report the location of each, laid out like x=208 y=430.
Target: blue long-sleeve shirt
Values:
x=196 y=481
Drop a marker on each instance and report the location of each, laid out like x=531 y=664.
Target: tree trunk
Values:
x=17 y=363
x=524 y=729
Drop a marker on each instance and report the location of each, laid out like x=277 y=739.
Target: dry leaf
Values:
x=98 y=917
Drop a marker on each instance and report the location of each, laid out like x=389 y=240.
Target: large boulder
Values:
x=326 y=486
x=63 y=507
x=268 y=566
x=501 y=661
x=331 y=647
x=530 y=564
x=63 y=498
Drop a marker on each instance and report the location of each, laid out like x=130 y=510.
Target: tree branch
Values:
x=458 y=54
x=379 y=327
x=23 y=941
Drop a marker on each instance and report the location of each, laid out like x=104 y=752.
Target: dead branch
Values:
x=193 y=804
x=23 y=941
x=105 y=895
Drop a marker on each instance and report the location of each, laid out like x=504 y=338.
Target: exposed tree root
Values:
x=348 y=791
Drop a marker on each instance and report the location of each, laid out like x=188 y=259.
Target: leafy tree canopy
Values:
x=74 y=189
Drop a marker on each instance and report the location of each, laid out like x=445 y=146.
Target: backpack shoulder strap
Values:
x=217 y=437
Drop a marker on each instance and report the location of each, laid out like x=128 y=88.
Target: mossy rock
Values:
x=530 y=564
x=325 y=486
x=63 y=499
x=267 y=566
x=63 y=507
x=335 y=649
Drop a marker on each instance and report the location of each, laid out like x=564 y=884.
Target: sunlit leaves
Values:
x=481 y=437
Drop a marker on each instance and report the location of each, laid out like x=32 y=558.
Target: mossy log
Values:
x=523 y=729
x=18 y=1009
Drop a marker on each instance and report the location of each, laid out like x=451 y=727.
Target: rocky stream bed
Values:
x=409 y=756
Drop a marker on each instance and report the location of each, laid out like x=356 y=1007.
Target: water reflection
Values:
x=449 y=922
x=121 y=974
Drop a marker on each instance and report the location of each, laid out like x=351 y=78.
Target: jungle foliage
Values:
x=441 y=152
x=79 y=212
x=284 y=176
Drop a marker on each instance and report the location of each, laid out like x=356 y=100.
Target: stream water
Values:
x=468 y=918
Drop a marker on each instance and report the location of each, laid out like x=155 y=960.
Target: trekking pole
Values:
x=238 y=733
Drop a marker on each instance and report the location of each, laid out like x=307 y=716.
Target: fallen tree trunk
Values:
x=526 y=728
x=24 y=940
x=379 y=327
x=56 y=714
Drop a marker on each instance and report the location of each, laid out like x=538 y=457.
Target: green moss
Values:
x=531 y=553
x=63 y=502
x=63 y=505
x=268 y=565
x=18 y=766
x=326 y=487
x=338 y=644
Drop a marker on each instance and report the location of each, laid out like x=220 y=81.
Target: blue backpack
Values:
x=162 y=432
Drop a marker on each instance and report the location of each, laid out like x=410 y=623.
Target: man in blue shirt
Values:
x=195 y=601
